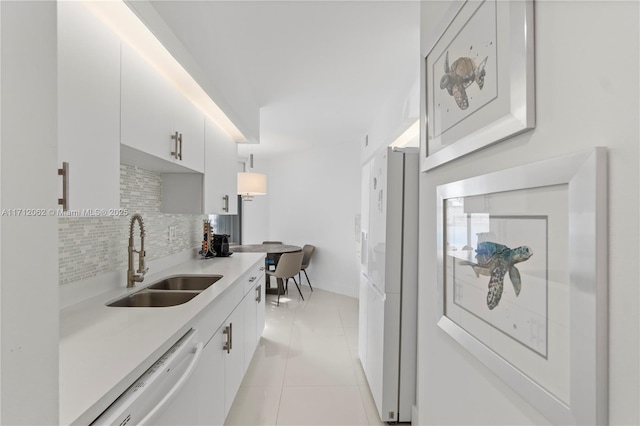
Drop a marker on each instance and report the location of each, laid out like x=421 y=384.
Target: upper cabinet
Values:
x=189 y=123
x=220 y=179
x=157 y=119
x=88 y=108
x=216 y=191
x=114 y=106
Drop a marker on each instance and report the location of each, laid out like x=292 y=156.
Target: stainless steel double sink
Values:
x=170 y=291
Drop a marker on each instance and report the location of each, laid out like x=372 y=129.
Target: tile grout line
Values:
x=297 y=314
x=284 y=374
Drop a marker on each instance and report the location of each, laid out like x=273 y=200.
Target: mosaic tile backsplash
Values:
x=88 y=247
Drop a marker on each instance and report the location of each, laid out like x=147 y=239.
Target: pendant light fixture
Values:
x=250 y=184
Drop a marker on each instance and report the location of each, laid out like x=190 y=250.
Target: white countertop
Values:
x=104 y=349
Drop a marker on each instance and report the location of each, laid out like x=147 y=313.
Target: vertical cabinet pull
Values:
x=177 y=152
x=226 y=203
x=259 y=295
x=64 y=172
x=228 y=330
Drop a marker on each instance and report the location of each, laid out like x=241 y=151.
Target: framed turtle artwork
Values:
x=479 y=79
x=522 y=280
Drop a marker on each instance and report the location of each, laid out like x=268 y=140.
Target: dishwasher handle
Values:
x=150 y=417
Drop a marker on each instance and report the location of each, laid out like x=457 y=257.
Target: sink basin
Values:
x=146 y=299
x=186 y=283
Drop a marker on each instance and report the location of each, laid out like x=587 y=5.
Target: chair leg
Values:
x=299 y=291
x=278 y=284
x=305 y=274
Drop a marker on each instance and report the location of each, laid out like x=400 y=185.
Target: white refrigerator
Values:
x=389 y=280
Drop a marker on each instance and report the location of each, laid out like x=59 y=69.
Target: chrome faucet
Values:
x=132 y=277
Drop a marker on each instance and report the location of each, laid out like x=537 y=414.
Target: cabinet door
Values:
x=212 y=369
x=260 y=312
x=250 y=322
x=147 y=107
x=220 y=179
x=189 y=122
x=88 y=107
x=234 y=360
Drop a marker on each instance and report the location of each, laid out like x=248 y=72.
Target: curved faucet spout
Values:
x=132 y=277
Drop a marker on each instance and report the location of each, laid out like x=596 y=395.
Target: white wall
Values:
x=596 y=104
x=397 y=114
x=29 y=267
x=313 y=199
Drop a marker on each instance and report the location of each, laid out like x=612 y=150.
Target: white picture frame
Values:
x=581 y=179
x=479 y=80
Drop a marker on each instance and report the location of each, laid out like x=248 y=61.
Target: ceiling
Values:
x=316 y=72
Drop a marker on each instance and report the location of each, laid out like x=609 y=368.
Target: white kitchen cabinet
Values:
x=254 y=304
x=88 y=108
x=234 y=357
x=260 y=308
x=221 y=369
x=189 y=122
x=224 y=368
x=220 y=179
x=250 y=322
x=157 y=120
x=212 y=410
x=215 y=192
x=147 y=97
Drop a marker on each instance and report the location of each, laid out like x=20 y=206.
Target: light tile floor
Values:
x=306 y=370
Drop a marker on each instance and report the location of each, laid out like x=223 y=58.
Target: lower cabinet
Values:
x=234 y=356
x=250 y=319
x=254 y=310
x=260 y=307
x=221 y=369
x=211 y=381
x=228 y=352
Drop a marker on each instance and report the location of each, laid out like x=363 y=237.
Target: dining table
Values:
x=273 y=251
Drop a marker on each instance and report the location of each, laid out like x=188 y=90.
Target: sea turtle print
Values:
x=460 y=75
x=495 y=260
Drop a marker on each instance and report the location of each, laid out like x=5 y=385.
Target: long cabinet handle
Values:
x=177 y=152
x=64 y=172
x=226 y=203
x=259 y=295
x=228 y=330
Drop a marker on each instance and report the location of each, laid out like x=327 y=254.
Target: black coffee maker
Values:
x=221 y=245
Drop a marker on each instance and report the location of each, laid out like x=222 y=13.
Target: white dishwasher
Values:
x=166 y=394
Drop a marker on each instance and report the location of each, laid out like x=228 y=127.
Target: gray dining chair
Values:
x=288 y=266
x=308 y=250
